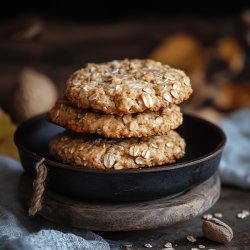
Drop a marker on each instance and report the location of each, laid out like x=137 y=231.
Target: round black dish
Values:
x=205 y=143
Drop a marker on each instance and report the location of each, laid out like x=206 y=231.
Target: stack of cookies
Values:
x=121 y=115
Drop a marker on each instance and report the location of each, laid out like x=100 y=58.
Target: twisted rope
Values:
x=38 y=188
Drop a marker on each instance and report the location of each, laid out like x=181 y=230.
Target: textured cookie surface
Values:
x=143 y=124
x=92 y=151
x=127 y=86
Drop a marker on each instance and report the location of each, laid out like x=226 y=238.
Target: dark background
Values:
x=70 y=34
x=115 y=10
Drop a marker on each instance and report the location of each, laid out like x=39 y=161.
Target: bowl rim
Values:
x=51 y=163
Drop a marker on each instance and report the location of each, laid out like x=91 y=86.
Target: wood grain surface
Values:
x=125 y=216
x=232 y=201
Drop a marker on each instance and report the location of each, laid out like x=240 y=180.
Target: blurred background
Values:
x=41 y=44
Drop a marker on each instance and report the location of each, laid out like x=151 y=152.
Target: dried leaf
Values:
x=7 y=129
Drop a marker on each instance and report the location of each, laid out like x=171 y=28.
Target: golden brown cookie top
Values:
x=127 y=86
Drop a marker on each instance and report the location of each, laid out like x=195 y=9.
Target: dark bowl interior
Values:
x=204 y=140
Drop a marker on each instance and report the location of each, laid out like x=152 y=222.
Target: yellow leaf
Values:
x=7 y=129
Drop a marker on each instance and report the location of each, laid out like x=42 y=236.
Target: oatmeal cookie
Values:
x=93 y=151
x=127 y=86
x=143 y=124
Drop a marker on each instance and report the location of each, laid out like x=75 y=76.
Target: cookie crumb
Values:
x=218 y=215
x=147 y=245
x=191 y=238
x=207 y=216
x=168 y=245
x=243 y=214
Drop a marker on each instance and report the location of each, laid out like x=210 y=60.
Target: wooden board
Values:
x=117 y=216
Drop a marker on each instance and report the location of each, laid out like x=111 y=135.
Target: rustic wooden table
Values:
x=63 y=47
x=230 y=203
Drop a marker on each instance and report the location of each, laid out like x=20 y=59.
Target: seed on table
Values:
x=168 y=245
x=207 y=216
x=194 y=248
x=218 y=215
x=147 y=245
x=240 y=216
x=243 y=214
x=191 y=238
x=201 y=246
x=246 y=212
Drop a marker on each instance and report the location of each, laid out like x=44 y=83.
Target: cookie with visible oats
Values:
x=143 y=124
x=93 y=151
x=127 y=86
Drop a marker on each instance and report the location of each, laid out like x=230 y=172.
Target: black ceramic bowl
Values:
x=204 y=140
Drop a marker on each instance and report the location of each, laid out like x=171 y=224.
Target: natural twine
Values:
x=38 y=188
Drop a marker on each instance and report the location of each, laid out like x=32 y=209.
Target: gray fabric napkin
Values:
x=235 y=163
x=20 y=232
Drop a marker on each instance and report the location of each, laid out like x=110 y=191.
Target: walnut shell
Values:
x=34 y=94
x=217 y=230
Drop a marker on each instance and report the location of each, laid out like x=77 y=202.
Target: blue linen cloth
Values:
x=18 y=231
x=235 y=163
